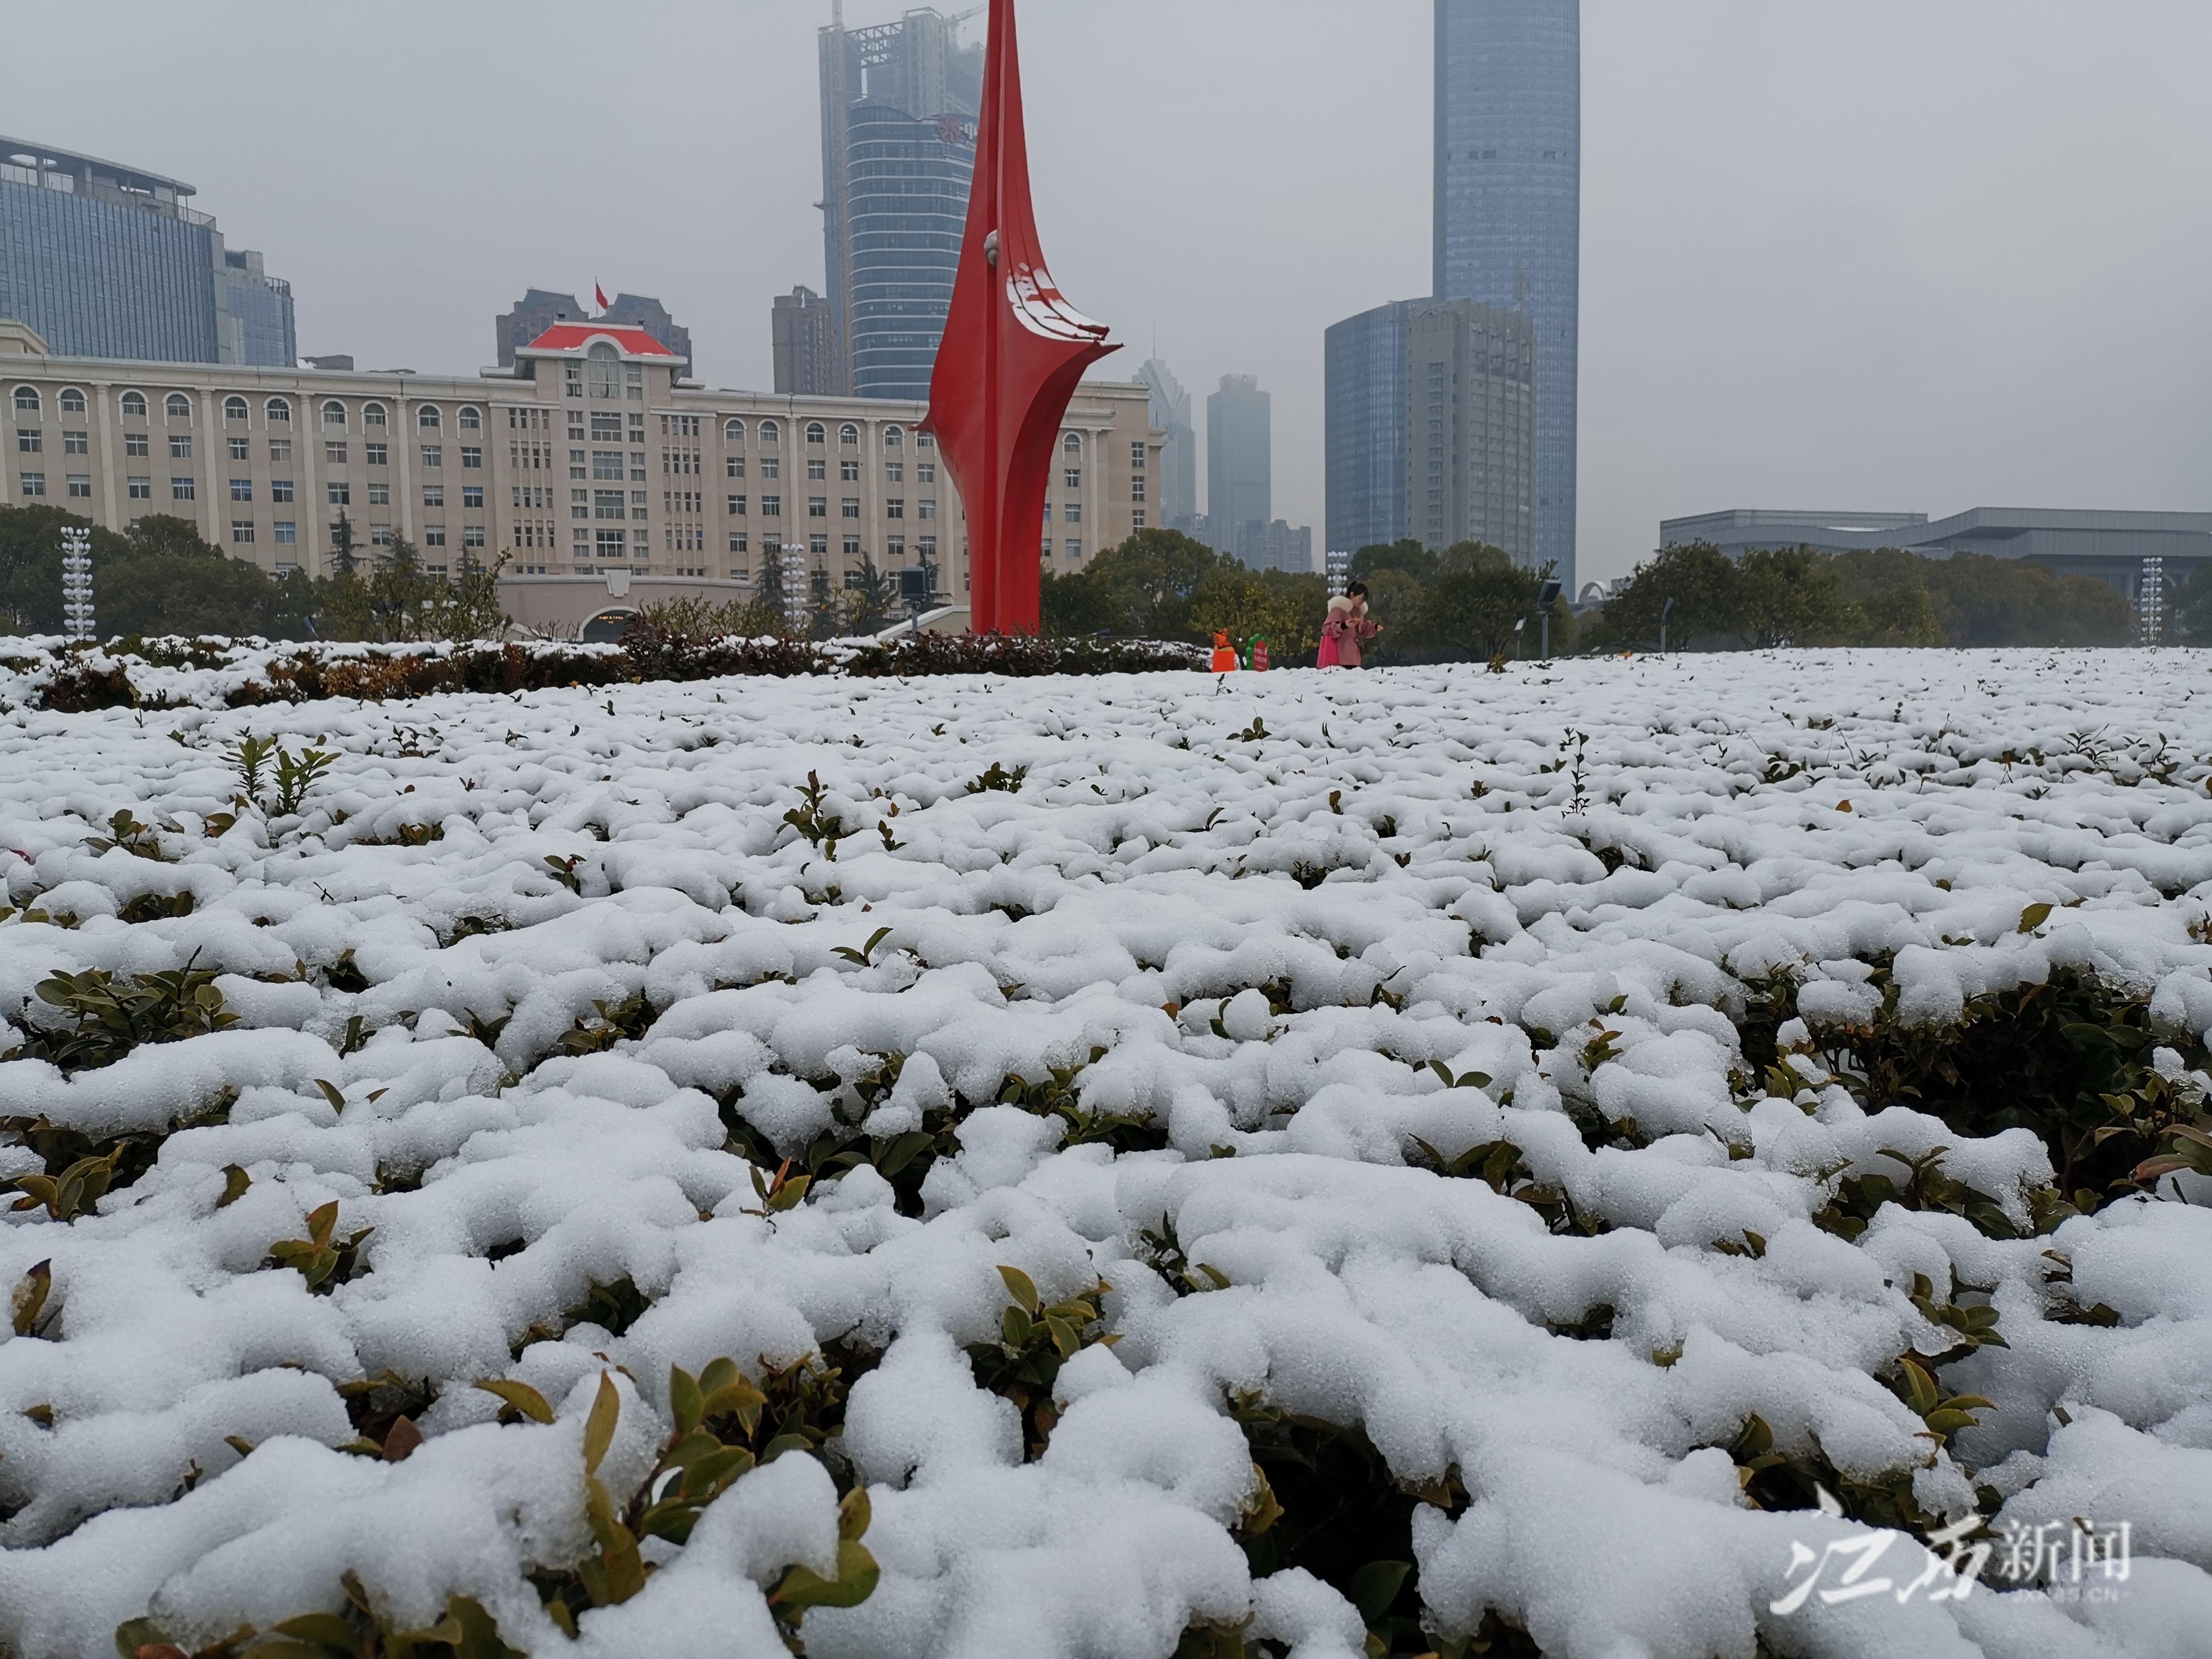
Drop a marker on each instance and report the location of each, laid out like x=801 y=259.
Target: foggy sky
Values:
x=1908 y=255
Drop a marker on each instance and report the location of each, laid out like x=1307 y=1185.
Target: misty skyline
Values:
x=1895 y=259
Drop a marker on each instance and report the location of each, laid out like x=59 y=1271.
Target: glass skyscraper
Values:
x=899 y=104
x=1509 y=209
x=106 y=261
x=1366 y=399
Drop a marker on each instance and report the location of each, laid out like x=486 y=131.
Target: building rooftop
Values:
x=45 y=158
x=573 y=337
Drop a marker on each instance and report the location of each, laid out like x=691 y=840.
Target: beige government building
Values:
x=603 y=476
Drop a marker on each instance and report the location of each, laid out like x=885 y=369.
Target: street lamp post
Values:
x=1546 y=596
x=1665 y=611
x=77 y=581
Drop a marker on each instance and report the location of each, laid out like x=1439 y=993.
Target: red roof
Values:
x=573 y=337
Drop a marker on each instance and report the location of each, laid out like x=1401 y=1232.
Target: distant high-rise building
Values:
x=1170 y=409
x=1365 y=420
x=540 y=308
x=108 y=261
x=1240 y=448
x=1276 y=546
x=899 y=105
x=1472 y=420
x=1433 y=419
x=1509 y=209
x=806 y=340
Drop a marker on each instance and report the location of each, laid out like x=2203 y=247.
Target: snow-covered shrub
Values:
x=1427 y=1162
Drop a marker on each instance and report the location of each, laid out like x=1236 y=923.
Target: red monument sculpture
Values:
x=1013 y=352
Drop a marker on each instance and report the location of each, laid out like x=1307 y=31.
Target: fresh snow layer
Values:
x=1416 y=860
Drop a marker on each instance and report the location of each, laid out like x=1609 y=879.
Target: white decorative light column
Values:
x=798 y=590
x=77 y=619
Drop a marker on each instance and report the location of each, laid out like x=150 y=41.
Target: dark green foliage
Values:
x=158 y=577
x=107 y=1017
x=1779 y=1480
x=2068 y=1060
x=1141 y=590
x=1458 y=605
x=1329 y=1504
x=1796 y=595
x=608 y=1023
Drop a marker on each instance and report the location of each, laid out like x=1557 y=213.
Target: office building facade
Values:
x=1240 y=461
x=1508 y=210
x=591 y=455
x=540 y=309
x=1172 y=414
x=803 y=338
x=110 y=261
x=1365 y=418
x=899 y=105
x=1471 y=421
x=1432 y=423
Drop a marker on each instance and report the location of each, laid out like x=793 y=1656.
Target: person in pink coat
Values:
x=1348 y=630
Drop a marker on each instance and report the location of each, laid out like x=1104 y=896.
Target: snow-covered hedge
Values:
x=1116 y=1167
x=77 y=678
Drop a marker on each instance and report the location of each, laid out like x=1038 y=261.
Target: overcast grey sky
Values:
x=1894 y=254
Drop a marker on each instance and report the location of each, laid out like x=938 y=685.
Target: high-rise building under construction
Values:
x=899 y=105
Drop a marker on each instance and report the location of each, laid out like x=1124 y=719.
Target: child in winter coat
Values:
x=1348 y=630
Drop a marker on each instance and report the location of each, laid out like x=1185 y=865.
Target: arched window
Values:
x=849 y=436
x=605 y=364
x=334 y=413
x=733 y=432
x=471 y=420
x=72 y=401
x=894 y=437
x=234 y=409
x=771 y=433
x=279 y=411
x=371 y=415
x=427 y=418
x=134 y=405
x=179 y=407
x=817 y=434
x=26 y=400
x=1073 y=444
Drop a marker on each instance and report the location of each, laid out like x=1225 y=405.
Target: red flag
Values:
x=602 y=294
x=1013 y=352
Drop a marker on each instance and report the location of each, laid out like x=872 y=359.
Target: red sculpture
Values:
x=1014 y=353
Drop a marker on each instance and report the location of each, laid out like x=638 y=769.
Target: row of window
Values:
x=278 y=410
x=31 y=441
x=430 y=418
x=925 y=547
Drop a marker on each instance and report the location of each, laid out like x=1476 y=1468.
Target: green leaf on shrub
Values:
x=1376 y=1586
x=522 y=1397
x=800 y=1588
x=1022 y=1288
x=2034 y=917
x=236 y=1181
x=599 y=1427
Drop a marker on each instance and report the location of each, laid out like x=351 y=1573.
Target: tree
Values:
x=2189 y=616
x=1140 y=590
x=1706 y=589
x=399 y=601
x=871 y=603
x=1469 y=611
x=1896 y=617
x=1790 y=596
x=1284 y=608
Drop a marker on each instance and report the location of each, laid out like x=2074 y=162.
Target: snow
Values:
x=1309 y=935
